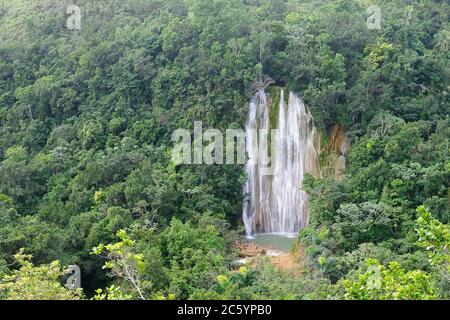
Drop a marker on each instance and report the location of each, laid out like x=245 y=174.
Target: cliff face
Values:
x=334 y=153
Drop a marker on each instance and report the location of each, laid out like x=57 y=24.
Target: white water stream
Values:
x=275 y=201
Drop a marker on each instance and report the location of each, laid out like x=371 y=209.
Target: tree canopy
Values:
x=86 y=118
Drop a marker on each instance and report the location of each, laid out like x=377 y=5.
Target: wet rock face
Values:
x=337 y=142
x=336 y=152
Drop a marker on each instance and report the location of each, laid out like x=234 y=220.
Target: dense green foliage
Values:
x=86 y=119
x=36 y=283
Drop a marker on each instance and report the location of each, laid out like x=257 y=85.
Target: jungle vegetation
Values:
x=86 y=118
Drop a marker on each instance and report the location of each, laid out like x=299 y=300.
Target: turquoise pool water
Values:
x=281 y=242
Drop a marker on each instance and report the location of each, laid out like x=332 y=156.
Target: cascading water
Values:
x=275 y=200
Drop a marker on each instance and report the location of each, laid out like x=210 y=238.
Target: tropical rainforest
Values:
x=87 y=114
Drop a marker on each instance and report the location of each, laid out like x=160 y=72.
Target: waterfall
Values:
x=275 y=201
